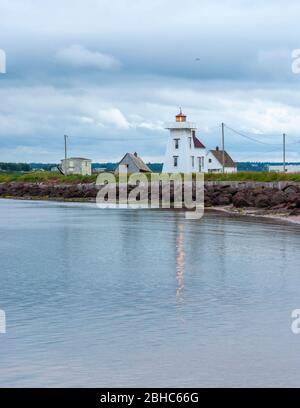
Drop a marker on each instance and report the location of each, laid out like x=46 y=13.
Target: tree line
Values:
x=14 y=167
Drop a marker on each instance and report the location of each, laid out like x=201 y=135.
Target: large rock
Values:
x=291 y=189
x=257 y=191
x=240 y=200
x=262 y=201
x=278 y=198
x=207 y=201
x=222 y=199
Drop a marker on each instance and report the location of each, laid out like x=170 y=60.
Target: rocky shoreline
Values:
x=281 y=199
x=277 y=197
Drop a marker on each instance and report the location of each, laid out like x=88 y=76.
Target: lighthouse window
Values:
x=193 y=161
x=190 y=142
x=175 y=158
x=176 y=142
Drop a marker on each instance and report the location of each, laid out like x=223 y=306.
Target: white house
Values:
x=214 y=162
x=185 y=153
x=77 y=165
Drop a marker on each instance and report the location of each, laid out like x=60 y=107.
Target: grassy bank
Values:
x=59 y=178
x=253 y=176
x=45 y=176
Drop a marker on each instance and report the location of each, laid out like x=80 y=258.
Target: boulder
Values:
x=291 y=189
x=262 y=201
x=278 y=198
x=222 y=199
x=294 y=198
x=207 y=201
x=240 y=200
x=257 y=191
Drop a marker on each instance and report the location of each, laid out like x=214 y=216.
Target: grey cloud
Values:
x=79 y=56
x=134 y=65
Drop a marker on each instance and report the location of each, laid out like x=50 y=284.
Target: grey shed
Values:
x=133 y=163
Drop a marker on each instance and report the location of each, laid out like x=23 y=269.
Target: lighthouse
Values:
x=185 y=153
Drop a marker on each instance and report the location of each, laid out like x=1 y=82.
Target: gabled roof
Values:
x=137 y=161
x=228 y=162
x=197 y=143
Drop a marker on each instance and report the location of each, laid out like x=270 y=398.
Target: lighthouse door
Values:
x=199 y=164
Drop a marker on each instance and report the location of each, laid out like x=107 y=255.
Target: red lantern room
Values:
x=180 y=117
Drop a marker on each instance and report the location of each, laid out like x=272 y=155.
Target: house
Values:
x=289 y=168
x=214 y=162
x=97 y=170
x=185 y=153
x=76 y=165
x=133 y=163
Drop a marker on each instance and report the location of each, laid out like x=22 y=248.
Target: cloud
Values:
x=2 y=62
x=78 y=56
x=243 y=76
x=114 y=117
x=104 y=123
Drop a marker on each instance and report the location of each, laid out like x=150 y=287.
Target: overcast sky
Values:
x=110 y=73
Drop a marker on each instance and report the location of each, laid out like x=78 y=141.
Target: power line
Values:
x=258 y=141
x=251 y=138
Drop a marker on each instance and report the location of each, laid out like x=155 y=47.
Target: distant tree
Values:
x=15 y=167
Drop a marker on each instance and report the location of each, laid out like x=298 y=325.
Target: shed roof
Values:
x=219 y=156
x=137 y=161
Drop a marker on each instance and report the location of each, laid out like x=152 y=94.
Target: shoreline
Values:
x=229 y=210
x=256 y=213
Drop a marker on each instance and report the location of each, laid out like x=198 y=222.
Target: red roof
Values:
x=197 y=143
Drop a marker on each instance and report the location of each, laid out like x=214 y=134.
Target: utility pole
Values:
x=284 y=137
x=65 y=137
x=223 y=149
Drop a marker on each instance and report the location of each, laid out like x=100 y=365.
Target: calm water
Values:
x=145 y=298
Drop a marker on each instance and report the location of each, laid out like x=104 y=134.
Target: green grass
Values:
x=253 y=176
x=44 y=176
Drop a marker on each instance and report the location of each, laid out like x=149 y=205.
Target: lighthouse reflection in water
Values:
x=180 y=261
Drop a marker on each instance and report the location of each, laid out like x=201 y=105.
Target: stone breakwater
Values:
x=49 y=191
x=276 y=196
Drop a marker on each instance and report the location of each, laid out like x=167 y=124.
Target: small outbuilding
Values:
x=289 y=168
x=214 y=160
x=76 y=165
x=133 y=163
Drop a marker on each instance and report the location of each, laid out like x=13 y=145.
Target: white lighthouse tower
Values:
x=185 y=153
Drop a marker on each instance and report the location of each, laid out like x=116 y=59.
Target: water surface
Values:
x=145 y=298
